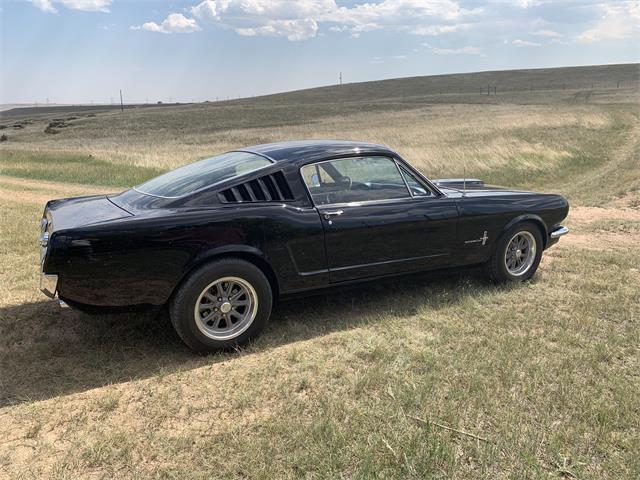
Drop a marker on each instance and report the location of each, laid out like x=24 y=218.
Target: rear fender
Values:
x=245 y=252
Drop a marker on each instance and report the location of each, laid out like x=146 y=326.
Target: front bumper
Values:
x=555 y=235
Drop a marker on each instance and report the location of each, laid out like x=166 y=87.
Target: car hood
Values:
x=473 y=187
x=483 y=191
x=81 y=211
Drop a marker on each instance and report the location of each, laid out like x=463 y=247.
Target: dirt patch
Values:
x=601 y=241
x=592 y=214
x=588 y=235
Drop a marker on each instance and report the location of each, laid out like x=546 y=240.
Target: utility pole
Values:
x=121 y=104
x=340 y=78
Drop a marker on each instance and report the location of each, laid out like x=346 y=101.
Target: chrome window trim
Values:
x=373 y=202
x=420 y=177
x=273 y=162
x=363 y=202
x=406 y=185
x=403 y=167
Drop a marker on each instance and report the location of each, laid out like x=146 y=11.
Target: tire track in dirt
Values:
x=586 y=233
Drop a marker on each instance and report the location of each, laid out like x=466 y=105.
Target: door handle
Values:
x=334 y=213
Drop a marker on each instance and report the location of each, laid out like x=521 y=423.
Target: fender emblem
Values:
x=482 y=239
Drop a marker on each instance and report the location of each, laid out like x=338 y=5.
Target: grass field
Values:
x=441 y=377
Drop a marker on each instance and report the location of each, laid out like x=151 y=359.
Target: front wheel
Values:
x=222 y=305
x=517 y=254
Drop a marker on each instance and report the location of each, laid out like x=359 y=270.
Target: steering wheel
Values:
x=345 y=180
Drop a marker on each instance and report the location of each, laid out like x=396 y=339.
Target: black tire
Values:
x=496 y=269
x=184 y=302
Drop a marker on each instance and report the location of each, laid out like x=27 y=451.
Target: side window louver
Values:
x=268 y=188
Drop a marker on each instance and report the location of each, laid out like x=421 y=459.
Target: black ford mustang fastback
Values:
x=218 y=240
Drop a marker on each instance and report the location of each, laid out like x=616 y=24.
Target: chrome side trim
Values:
x=558 y=232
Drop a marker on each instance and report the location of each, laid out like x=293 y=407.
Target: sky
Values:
x=85 y=51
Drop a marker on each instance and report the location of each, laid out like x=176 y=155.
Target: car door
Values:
x=378 y=218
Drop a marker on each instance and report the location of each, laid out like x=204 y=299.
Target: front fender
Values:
x=529 y=217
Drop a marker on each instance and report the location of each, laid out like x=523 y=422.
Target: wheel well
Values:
x=541 y=228
x=539 y=225
x=259 y=262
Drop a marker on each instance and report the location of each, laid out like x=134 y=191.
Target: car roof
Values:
x=314 y=149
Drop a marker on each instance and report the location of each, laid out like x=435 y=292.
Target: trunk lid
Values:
x=81 y=211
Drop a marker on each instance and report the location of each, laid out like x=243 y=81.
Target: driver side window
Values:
x=357 y=179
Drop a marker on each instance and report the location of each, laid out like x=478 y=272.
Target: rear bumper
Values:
x=555 y=235
x=49 y=284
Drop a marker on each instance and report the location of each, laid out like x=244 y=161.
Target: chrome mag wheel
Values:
x=226 y=308
x=520 y=253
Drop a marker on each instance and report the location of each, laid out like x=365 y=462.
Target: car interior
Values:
x=358 y=180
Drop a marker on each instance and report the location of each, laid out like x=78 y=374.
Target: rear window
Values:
x=205 y=173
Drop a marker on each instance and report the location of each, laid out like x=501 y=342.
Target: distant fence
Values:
x=495 y=89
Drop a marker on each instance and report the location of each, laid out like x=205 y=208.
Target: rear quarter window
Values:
x=205 y=173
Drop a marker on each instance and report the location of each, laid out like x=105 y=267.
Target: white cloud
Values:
x=468 y=50
x=617 y=23
x=527 y=3
x=45 y=5
x=291 y=29
x=433 y=30
x=207 y=10
x=525 y=43
x=87 y=5
x=84 y=5
x=547 y=33
x=539 y=23
x=392 y=57
x=174 y=23
x=302 y=19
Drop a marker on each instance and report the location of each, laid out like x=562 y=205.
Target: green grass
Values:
x=546 y=371
x=69 y=168
x=537 y=371
x=591 y=150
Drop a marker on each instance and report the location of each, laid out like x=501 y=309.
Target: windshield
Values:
x=204 y=173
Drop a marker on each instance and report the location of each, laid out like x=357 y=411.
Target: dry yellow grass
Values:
x=433 y=138
x=546 y=371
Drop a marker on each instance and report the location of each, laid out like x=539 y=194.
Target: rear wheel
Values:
x=222 y=305
x=517 y=254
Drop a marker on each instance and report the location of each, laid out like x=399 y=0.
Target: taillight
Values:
x=45 y=231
